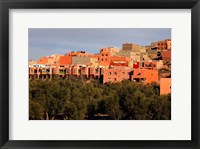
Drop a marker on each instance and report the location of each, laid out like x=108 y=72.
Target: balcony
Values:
x=62 y=71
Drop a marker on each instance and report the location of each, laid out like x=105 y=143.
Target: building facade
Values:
x=165 y=86
x=133 y=62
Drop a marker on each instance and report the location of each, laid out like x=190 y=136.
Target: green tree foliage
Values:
x=36 y=110
x=76 y=99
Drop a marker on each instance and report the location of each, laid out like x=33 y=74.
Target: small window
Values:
x=109 y=73
x=96 y=71
x=115 y=73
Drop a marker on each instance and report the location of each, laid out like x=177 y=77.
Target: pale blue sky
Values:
x=44 y=42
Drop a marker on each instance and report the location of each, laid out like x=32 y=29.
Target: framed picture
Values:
x=103 y=74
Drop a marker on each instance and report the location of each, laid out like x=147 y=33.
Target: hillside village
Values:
x=145 y=64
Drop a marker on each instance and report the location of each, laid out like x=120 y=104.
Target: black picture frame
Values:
x=5 y=5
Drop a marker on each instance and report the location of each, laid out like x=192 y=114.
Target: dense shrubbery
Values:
x=77 y=100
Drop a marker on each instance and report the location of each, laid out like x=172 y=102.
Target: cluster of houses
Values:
x=137 y=63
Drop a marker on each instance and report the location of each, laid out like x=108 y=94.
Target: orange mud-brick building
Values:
x=160 y=45
x=145 y=75
x=116 y=74
x=105 y=55
x=165 y=86
x=164 y=45
x=75 y=69
x=84 y=71
x=38 y=71
x=54 y=59
x=67 y=58
x=130 y=47
x=166 y=55
x=119 y=61
x=87 y=60
x=152 y=64
x=95 y=72
x=104 y=59
x=113 y=50
x=61 y=71
x=49 y=60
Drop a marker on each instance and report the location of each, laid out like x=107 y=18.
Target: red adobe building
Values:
x=145 y=75
x=166 y=55
x=67 y=59
x=165 y=86
x=116 y=74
